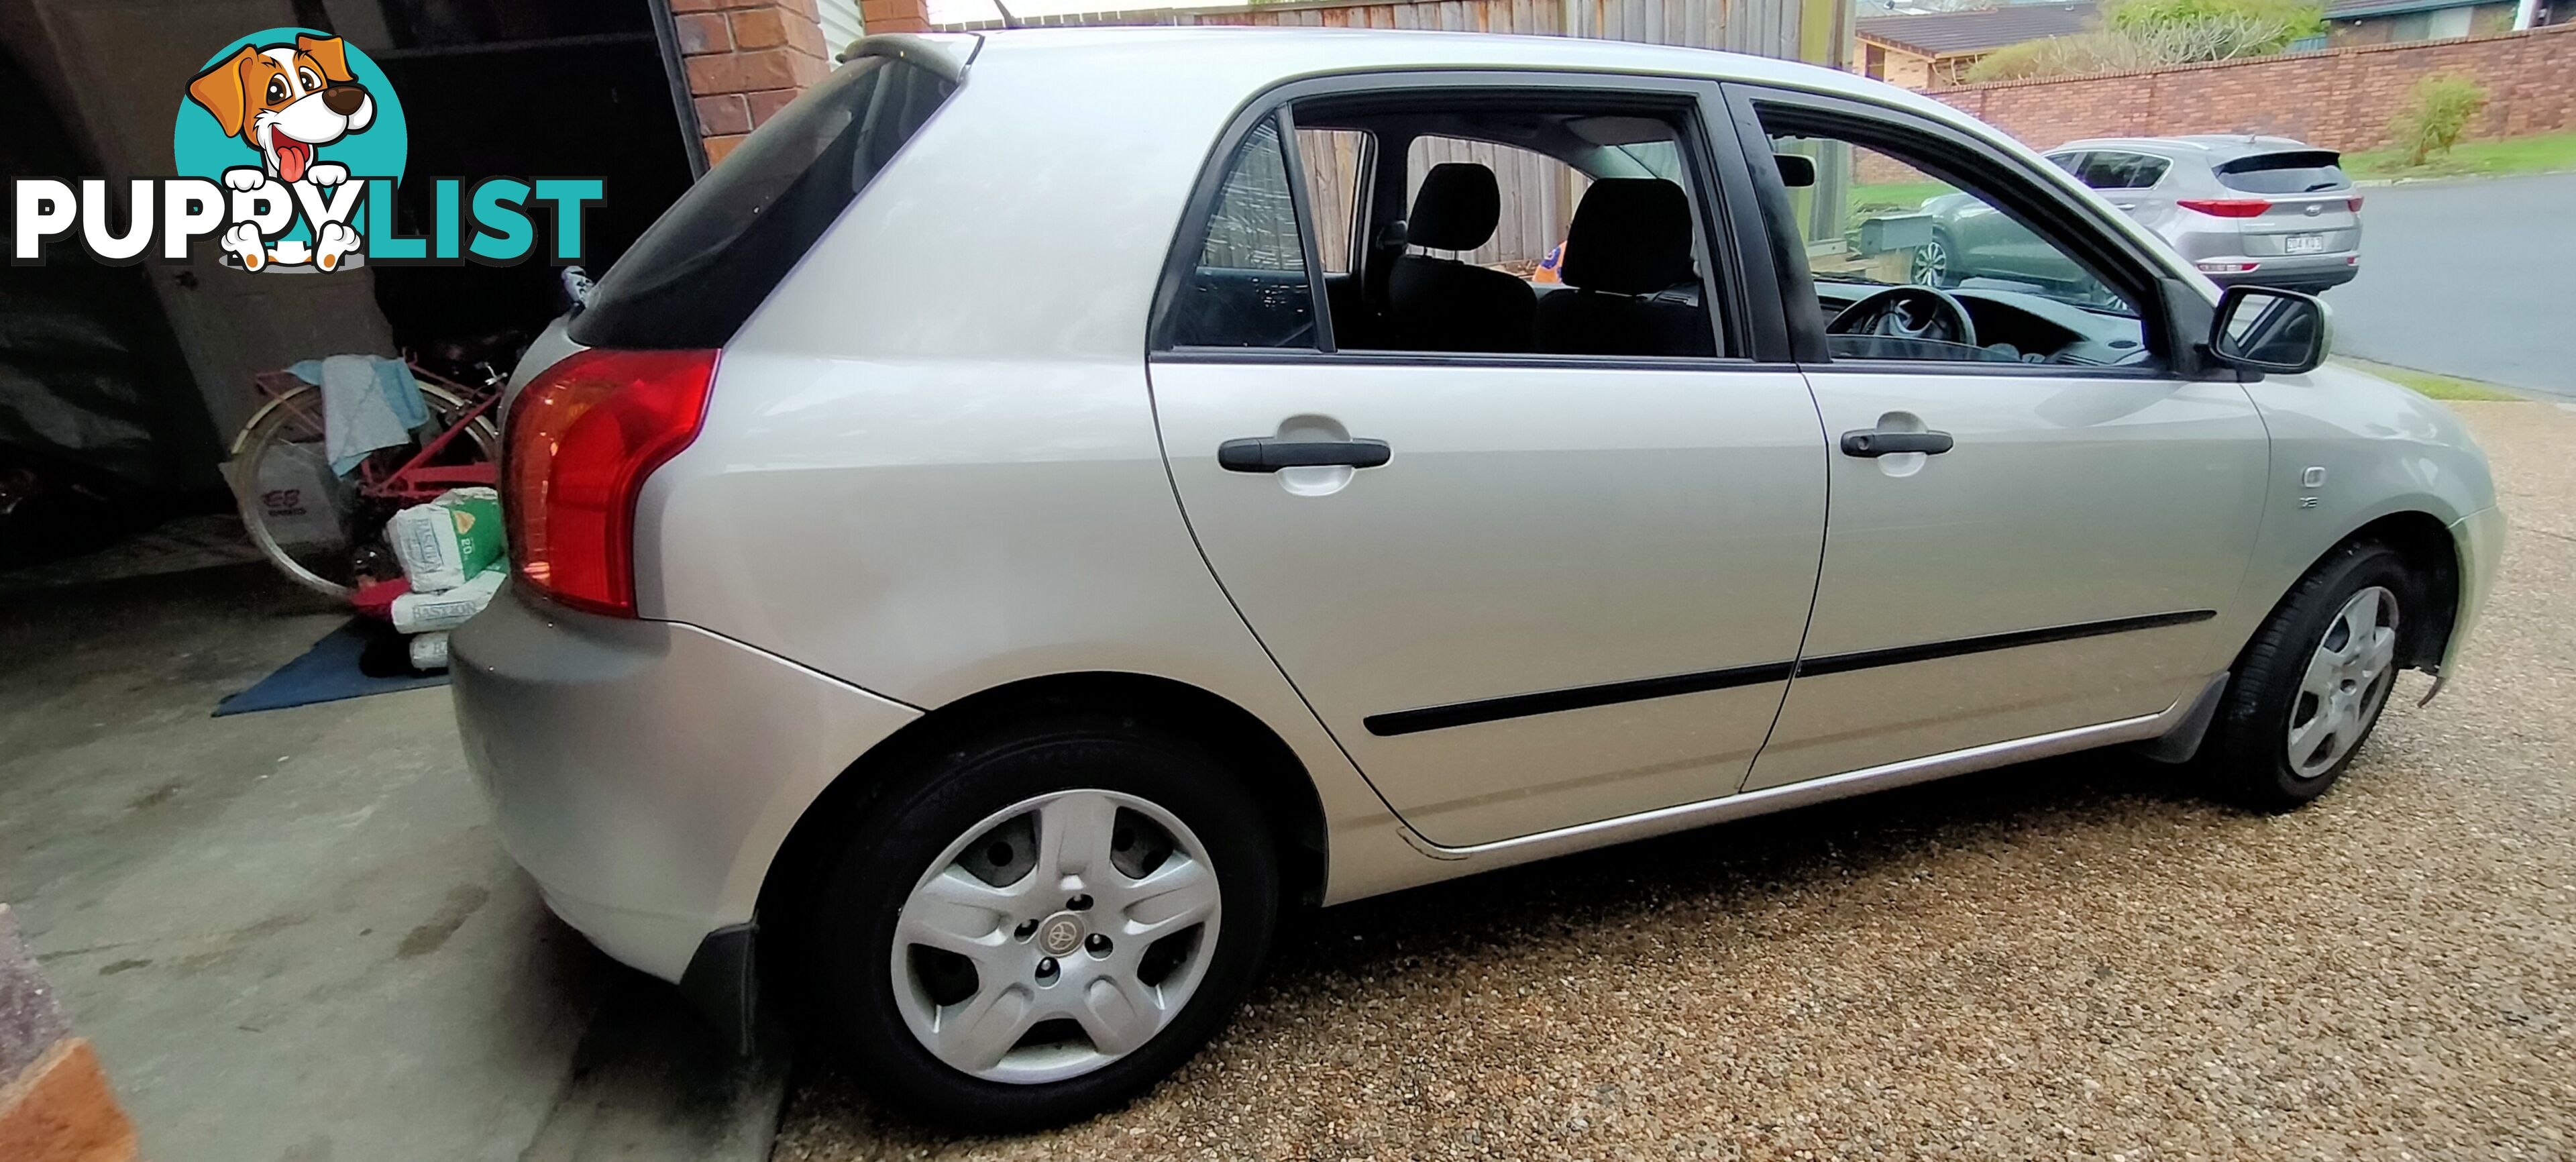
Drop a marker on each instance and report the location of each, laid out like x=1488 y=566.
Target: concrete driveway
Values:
x=2077 y=958
x=291 y=935
x=2472 y=278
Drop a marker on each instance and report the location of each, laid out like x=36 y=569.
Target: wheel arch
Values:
x=2426 y=544
x=1272 y=772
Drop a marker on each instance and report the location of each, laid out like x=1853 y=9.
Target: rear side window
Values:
x=701 y=270
x=1249 y=286
x=2297 y=172
x=2122 y=171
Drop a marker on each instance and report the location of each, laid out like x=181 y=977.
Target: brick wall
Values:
x=746 y=59
x=2341 y=98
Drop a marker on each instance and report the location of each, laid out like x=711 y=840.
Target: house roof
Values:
x=2349 y=9
x=1981 y=30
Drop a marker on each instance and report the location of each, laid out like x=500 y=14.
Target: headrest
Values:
x=1456 y=208
x=1630 y=236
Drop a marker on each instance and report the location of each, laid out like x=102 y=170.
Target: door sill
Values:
x=1684 y=816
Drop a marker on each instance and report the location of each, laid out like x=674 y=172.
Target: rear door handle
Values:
x=1269 y=454
x=1872 y=443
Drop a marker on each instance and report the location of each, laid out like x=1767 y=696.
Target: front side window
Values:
x=1913 y=261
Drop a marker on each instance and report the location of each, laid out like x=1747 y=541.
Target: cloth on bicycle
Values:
x=368 y=402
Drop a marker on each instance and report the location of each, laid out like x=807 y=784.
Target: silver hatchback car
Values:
x=1053 y=503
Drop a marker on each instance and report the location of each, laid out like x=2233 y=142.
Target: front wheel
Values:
x=2313 y=682
x=1032 y=930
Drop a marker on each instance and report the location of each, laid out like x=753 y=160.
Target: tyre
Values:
x=2311 y=685
x=1036 y=928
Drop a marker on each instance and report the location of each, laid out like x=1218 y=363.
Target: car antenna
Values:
x=1008 y=20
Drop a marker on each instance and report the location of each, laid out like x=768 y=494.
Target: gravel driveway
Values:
x=2074 y=958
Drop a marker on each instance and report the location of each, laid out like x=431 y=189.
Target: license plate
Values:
x=2304 y=244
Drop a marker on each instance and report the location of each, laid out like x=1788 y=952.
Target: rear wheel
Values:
x=2311 y=686
x=1931 y=265
x=1034 y=929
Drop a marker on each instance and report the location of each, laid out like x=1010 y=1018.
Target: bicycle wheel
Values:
x=315 y=525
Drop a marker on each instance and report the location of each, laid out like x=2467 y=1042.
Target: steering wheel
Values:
x=1907 y=312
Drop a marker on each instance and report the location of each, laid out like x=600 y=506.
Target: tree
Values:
x=2148 y=34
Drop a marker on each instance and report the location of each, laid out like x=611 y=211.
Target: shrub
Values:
x=2280 y=21
x=2444 y=105
x=2148 y=34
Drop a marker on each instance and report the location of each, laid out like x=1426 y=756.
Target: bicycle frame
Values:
x=416 y=481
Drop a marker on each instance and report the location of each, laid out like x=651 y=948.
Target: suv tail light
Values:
x=582 y=438
x=2353 y=203
x=2226 y=207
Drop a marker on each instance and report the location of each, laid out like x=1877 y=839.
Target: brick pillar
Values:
x=895 y=15
x=746 y=59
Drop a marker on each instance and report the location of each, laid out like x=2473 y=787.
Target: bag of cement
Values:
x=300 y=500
x=423 y=612
x=446 y=541
x=429 y=650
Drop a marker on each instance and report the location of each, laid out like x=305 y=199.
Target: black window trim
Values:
x=2173 y=314
x=1301 y=205
x=1750 y=325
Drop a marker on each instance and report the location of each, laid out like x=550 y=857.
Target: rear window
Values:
x=2297 y=172
x=701 y=270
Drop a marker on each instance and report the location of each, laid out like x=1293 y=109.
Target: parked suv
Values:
x=1031 y=517
x=2252 y=211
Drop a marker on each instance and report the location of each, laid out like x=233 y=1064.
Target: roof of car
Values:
x=1979 y=30
x=1277 y=53
x=2212 y=147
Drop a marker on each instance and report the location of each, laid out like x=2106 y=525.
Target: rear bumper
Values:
x=2295 y=274
x=645 y=773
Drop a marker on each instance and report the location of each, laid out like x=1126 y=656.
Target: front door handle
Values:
x=1871 y=443
x=1269 y=454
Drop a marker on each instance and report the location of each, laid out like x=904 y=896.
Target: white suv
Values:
x=1053 y=502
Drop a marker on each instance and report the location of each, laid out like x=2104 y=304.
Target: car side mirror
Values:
x=1797 y=171
x=2260 y=328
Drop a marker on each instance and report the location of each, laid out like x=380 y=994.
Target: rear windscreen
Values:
x=701 y=270
x=2301 y=172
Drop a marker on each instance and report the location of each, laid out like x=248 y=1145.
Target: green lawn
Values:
x=2431 y=385
x=1886 y=196
x=2537 y=153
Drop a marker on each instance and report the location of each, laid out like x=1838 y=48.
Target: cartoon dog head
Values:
x=286 y=100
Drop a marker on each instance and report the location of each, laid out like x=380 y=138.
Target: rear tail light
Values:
x=2353 y=203
x=582 y=438
x=2226 y=207
x=2226 y=267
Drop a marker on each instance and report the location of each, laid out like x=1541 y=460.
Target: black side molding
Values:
x=1640 y=689
x=1900 y=655
x=1577 y=698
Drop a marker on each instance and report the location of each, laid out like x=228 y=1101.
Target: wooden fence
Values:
x=1539 y=194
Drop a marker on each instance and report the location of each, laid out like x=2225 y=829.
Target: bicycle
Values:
x=325 y=531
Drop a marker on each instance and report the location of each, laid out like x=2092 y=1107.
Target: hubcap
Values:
x=1931 y=262
x=1055 y=937
x=2346 y=682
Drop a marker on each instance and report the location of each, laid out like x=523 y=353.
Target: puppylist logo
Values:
x=290 y=146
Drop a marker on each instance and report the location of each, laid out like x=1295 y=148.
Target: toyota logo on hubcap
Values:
x=1061 y=934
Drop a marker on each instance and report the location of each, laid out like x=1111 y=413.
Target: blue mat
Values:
x=361 y=658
